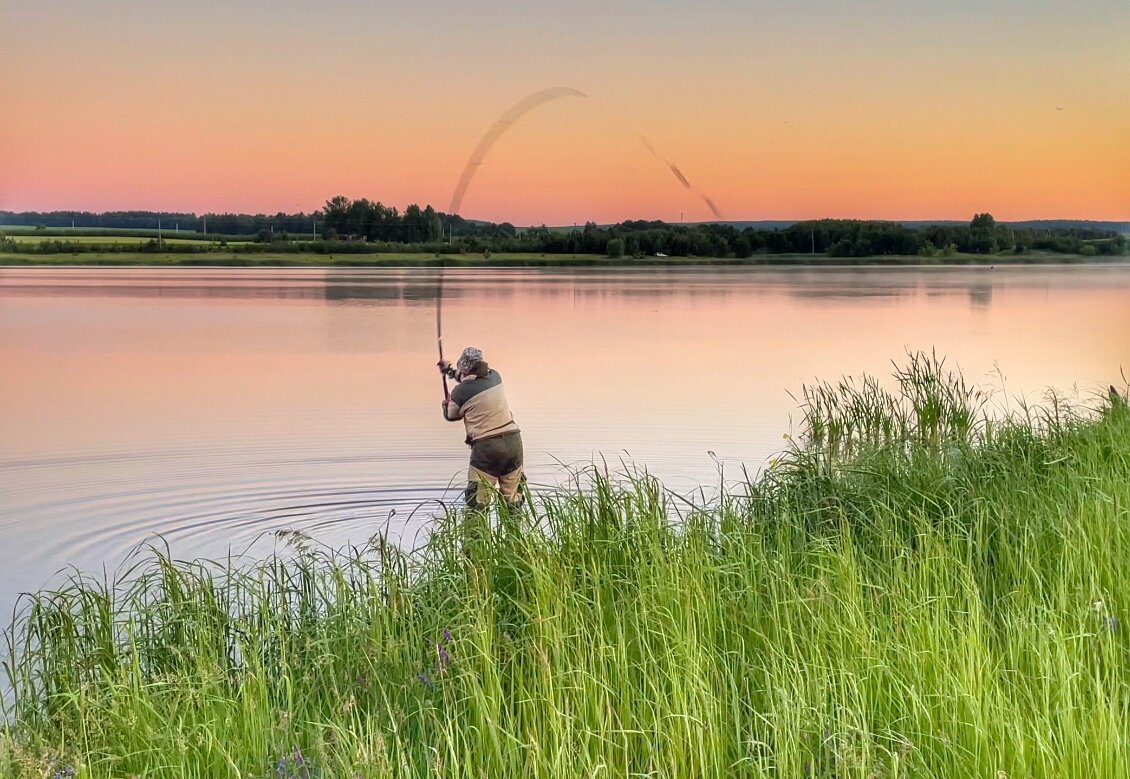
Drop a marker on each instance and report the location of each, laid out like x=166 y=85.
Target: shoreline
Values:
x=310 y=260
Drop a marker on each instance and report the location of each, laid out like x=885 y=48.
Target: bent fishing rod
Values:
x=445 y=370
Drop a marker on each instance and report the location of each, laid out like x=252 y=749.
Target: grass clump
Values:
x=912 y=590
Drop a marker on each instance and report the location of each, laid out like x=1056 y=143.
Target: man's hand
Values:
x=444 y=366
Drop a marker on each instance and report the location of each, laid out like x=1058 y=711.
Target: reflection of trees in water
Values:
x=380 y=287
x=422 y=287
x=826 y=293
x=378 y=293
x=979 y=291
x=981 y=295
x=184 y=289
x=821 y=287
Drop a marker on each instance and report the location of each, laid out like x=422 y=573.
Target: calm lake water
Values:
x=214 y=407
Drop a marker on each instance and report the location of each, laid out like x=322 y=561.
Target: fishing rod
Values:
x=445 y=371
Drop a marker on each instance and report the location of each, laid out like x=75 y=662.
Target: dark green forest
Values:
x=360 y=226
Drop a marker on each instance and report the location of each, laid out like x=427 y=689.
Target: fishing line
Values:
x=511 y=116
x=678 y=174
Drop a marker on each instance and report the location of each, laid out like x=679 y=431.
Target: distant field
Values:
x=109 y=239
x=115 y=233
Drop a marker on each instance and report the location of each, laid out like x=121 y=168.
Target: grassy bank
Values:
x=408 y=260
x=909 y=591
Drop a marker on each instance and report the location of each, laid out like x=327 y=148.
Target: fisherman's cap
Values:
x=469 y=359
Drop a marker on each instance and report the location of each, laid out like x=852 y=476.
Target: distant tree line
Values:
x=221 y=224
x=364 y=226
x=837 y=238
x=129 y=220
x=377 y=222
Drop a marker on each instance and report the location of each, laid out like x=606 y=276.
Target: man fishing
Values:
x=492 y=433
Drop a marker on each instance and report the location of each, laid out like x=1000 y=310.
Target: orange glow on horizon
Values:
x=834 y=128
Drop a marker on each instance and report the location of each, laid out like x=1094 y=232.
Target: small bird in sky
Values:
x=1059 y=108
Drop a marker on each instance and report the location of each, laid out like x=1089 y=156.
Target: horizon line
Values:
x=577 y=223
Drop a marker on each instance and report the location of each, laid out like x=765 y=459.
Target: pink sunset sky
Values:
x=808 y=109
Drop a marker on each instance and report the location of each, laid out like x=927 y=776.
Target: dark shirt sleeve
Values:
x=453 y=411
x=461 y=394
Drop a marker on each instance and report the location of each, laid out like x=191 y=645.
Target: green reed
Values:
x=913 y=590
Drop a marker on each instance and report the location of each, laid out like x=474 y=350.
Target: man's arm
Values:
x=452 y=411
x=453 y=405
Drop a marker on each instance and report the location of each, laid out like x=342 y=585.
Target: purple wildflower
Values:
x=447 y=636
x=444 y=657
x=293 y=766
x=424 y=680
x=303 y=770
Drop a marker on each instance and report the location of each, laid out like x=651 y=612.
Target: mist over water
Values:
x=215 y=407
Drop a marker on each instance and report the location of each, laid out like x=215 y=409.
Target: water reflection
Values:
x=981 y=295
x=422 y=286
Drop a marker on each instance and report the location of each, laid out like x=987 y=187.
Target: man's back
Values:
x=482 y=404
